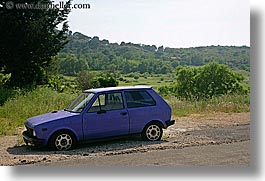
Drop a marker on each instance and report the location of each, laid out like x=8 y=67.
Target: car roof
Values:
x=106 y=89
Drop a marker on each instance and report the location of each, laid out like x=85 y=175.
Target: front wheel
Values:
x=62 y=140
x=152 y=132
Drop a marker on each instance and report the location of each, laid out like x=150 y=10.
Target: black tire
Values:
x=62 y=140
x=152 y=132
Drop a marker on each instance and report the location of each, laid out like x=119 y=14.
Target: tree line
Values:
x=33 y=50
x=90 y=53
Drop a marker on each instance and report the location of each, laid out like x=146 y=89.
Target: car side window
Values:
x=107 y=102
x=138 y=99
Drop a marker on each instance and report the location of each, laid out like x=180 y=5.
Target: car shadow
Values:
x=103 y=146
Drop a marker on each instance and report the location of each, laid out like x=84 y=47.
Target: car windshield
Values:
x=80 y=102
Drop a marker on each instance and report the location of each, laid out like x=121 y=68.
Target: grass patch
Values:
x=226 y=103
x=24 y=105
x=154 y=80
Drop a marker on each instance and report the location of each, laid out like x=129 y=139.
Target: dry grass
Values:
x=16 y=110
x=226 y=104
x=22 y=106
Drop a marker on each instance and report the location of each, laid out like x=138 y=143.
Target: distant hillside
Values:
x=83 y=52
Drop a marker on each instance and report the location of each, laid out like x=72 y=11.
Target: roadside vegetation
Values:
x=24 y=104
x=47 y=71
x=226 y=103
x=16 y=105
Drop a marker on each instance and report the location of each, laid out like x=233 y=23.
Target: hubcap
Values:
x=153 y=132
x=63 y=142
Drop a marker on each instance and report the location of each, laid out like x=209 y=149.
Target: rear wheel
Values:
x=62 y=140
x=152 y=132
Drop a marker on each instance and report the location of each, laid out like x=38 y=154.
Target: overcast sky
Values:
x=172 y=23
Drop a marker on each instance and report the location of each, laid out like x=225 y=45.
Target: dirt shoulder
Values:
x=194 y=130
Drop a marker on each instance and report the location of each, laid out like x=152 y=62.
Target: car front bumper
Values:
x=28 y=139
x=170 y=122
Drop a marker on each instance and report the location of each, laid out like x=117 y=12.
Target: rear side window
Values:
x=138 y=99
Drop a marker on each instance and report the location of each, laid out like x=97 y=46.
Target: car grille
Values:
x=30 y=131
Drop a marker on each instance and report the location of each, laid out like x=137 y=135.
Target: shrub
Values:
x=6 y=94
x=4 y=78
x=55 y=82
x=208 y=81
x=87 y=80
x=167 y=90
x=122 y=79
x=136 y=77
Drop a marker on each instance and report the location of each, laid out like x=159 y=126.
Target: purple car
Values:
x=101 y=113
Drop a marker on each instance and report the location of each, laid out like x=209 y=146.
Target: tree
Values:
x=88 y=80
x=71 y=65
x=196 y=60
x=100 y=54
x=28 y=40
x=216 y=79
x=186 y=82
x=85 y=80
x=95 y=42
x=107 y=81
x=207 y=81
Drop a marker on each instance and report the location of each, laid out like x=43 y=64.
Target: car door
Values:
x=141 y=108
x=106 y=117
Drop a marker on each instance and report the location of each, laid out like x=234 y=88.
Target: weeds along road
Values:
x=216 y=139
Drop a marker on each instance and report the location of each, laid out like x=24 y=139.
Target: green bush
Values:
x=136 y=77
x=106 y=82
x=6 y=94
x=56 y=82
x=87 y=80
x=208 y=81
x=4 y=78
x=122 y=79
x=167 y=90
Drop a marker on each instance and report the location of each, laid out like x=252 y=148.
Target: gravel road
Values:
x=225 y=136
x=234 y=154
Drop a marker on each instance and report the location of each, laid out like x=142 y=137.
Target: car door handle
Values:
x=123 y=113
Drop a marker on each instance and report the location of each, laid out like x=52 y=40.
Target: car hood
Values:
x=52 y=116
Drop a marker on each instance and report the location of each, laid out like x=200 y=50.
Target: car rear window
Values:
x=139 y=99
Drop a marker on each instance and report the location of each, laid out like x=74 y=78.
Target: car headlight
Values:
x=33 y=133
